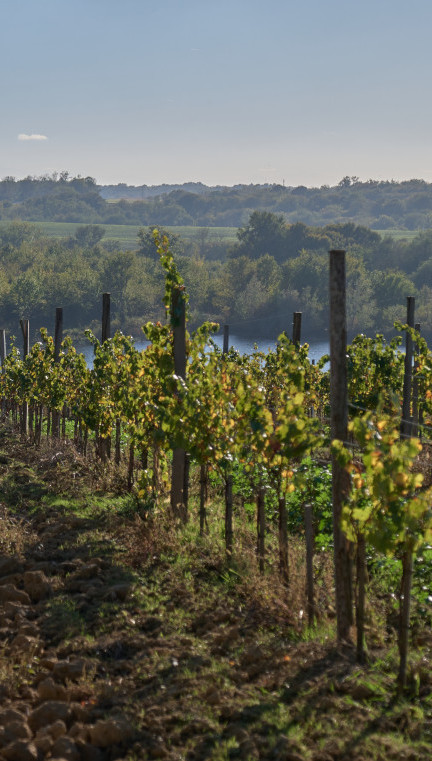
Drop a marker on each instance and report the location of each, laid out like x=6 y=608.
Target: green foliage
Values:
x=387 y=504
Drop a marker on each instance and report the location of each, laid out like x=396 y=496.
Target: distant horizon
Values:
x=283 y=183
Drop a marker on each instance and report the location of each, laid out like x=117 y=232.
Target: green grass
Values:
x=127 y=234
x=399 y=234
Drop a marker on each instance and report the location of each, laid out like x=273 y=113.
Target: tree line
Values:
x=381 y=205
x=273 y=269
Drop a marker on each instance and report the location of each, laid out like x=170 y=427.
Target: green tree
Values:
x=147 y=247
x=88 y=236
x=265 y=233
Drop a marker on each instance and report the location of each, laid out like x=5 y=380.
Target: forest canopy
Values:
x=381 y=205
x=273 y=269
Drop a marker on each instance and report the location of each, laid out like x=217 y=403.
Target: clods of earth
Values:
x=122 y=638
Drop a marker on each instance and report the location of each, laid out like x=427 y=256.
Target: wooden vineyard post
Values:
x=407 y=557
x=106 y=317
x=105 y=443
x=225 y=339
x=58 y=338
x=339 y=425
x=2 y=347
x=297 y=320
x=25 y=329
x=178 y=322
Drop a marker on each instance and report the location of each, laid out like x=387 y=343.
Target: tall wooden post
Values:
x=297 y=319
x=58 y=333
x=25 y=329
x=2 y=346
x=225 y=339
x=106 y=317
x=58 y=338
x=178 y=322
x=339 y=425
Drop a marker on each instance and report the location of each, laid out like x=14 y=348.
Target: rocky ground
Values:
x=123 y=639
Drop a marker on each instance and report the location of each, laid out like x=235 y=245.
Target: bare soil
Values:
x=123 y=638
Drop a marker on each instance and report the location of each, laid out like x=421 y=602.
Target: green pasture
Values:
x=127 y=234
x=399 y=234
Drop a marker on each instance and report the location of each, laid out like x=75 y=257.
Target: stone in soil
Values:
x=69 y=670
x=65 y=748
x=9 y=593
x=48 y=713
x=110 y=732
x=48 y=689
x=37 y=585
x=20 y=751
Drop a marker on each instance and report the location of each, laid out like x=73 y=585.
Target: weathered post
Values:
x=178 y=322
x=2 y=346
x=339 y=424
x=297 y=320
x=106 y=317
x=58 y=338
x=25 y=329
x=225 y=339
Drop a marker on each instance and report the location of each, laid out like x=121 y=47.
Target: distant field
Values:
x=400 y=234
x=127 y=234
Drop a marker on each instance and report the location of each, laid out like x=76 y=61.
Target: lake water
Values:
x=244 y=345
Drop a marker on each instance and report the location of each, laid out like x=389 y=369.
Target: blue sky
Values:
x=151 y=91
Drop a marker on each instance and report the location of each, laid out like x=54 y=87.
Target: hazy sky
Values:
x=218 y=91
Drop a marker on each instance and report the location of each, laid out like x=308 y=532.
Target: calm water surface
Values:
x=245 y=346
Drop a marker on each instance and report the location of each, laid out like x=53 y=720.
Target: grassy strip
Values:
x=127 y=234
